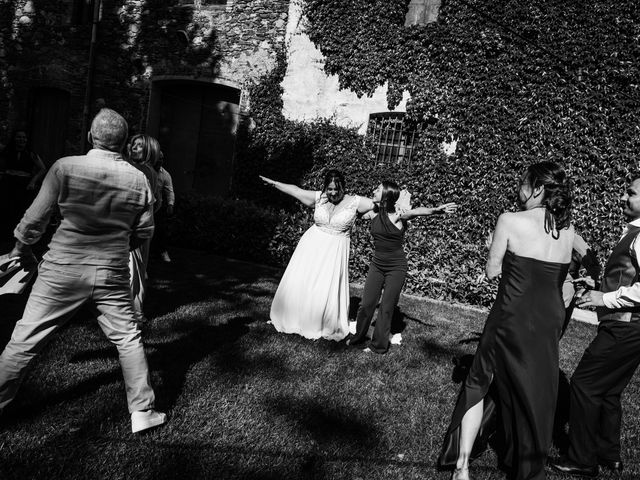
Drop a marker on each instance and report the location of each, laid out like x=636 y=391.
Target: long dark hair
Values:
x=336 y=177
x=389 y=197
x=557 y=193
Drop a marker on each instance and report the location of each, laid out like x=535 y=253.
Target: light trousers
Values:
x=58 y=293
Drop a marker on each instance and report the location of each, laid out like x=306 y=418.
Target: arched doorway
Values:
x=196 y=123
x=48 y=119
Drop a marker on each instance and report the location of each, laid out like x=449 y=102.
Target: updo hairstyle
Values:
x=557 y=193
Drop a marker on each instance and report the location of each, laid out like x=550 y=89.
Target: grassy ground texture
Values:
x=245 y=402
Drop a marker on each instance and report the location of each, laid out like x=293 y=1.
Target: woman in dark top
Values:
x=518 y=351
x=21 y=170
x=388 y=267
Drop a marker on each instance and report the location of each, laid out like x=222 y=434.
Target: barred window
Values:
x=392 y=141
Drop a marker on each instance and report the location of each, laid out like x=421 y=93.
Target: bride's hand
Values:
x=450 y=207
x=267 y=181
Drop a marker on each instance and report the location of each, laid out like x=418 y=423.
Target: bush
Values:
x=236 y=228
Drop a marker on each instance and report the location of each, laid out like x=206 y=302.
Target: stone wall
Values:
x=137 y=41
x=309 y=93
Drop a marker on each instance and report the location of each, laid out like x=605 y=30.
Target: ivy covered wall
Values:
x=512 y=82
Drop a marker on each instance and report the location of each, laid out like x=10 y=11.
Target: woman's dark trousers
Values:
x=392 y=280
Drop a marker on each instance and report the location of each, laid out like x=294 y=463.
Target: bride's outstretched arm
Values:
x=307 y=197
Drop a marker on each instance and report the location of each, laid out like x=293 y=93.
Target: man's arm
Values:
x=623 y=297
x=39 y=171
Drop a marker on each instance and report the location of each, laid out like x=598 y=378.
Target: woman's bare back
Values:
x=526 y=237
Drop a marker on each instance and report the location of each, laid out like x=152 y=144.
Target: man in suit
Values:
x=611 y=359
x=106 y=205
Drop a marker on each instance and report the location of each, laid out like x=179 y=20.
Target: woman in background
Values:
x=166 y=200
x=312 y=299
x=21 y=170
x=144 y=152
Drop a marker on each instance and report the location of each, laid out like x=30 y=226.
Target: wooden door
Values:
x=196 y=128
x=48 y=119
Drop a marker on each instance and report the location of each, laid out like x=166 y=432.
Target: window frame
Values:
x=394 y=143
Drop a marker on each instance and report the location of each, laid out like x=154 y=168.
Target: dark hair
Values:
x=557 y=193
x=336 y=177
x=150 y=149
x=389 y=196
x=109 y=130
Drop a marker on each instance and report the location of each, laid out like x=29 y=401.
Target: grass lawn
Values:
x=245 y=402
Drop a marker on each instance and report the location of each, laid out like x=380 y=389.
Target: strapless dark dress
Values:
x=518 y=352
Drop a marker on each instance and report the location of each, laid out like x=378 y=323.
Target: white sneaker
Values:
x=147 y=419
x=165 y=257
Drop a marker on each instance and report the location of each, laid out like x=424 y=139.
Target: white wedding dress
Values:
x=312 y=299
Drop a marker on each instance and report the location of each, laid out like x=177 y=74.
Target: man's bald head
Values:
x=109 y=131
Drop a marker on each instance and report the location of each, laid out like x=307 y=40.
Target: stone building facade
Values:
x=177 y=69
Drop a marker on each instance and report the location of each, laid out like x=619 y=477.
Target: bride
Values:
x=312 y=299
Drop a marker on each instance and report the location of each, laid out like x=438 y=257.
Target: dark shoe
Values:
x=568 y=467
x=351 y=340
x=615 y=466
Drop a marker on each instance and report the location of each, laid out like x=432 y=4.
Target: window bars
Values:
x=392 y=141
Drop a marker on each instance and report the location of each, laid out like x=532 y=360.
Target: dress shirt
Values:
x=626 y=296
x=104 y=201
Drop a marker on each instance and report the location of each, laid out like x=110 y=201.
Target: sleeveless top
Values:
x=387 y=240
x=621 y=271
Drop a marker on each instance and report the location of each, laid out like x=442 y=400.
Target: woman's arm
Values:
x=307 y=197
x=39 y=169
x=498 y=247
x=365 y=205
x=424 y=211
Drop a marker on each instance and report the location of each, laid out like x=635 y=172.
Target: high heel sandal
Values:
x=460 y=474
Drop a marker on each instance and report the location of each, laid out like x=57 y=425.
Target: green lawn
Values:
x=245 y=402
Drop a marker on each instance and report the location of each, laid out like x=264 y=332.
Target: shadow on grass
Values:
x=398 y=321
x=160 y=460
x=199 y=276
x=439 y=351
x=332 y=428
x=173 y=359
